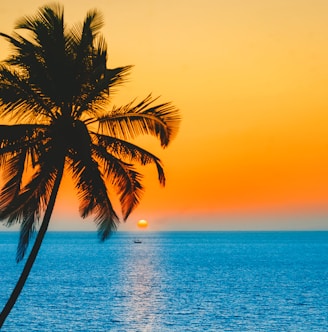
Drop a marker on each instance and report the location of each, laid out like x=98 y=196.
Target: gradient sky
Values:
x=250 y=78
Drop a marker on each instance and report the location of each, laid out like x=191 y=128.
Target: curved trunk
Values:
x=34 y=252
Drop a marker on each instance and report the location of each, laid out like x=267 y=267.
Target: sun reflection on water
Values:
x=140 y=280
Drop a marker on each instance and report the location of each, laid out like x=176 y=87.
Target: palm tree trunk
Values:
x=34 y=252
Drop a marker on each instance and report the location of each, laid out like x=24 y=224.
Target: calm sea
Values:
x=172 y=281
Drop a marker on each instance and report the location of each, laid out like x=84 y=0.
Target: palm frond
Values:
x=13 y=175
x=49 y=59
x=28 y=204
x=93 y=22
x=130 y=153
x=81 y=39
x=34 y=194
x=92 y=191
x=47 y=25
x=129 y=121
x=123 y=177
x=27 y=82
x=92 y=194
x=27 y=230
x=17 y=138
x=83 y=35
x=44 y=51
x=95 y=94
x=22 y=100
x=25 y=54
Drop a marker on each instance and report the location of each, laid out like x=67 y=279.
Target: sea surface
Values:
x=172 y=281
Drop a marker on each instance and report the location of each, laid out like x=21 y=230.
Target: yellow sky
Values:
x=250 y=79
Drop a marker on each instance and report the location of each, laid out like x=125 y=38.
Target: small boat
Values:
x=137 y=241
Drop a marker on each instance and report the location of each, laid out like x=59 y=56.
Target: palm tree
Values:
x=56 y=87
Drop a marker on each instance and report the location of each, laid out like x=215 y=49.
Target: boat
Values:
x=137 y=241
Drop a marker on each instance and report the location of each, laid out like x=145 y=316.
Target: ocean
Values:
x=171 y=281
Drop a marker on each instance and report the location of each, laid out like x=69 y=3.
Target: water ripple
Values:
x=171 y=282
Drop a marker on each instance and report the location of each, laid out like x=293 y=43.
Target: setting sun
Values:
x=142 y=223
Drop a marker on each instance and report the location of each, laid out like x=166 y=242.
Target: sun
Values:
x=142 y=223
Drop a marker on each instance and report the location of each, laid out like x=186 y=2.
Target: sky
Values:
x=250 y=80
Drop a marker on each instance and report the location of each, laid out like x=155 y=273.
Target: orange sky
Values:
x=250 y=79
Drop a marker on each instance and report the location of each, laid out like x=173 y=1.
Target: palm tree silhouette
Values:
x=56 y=87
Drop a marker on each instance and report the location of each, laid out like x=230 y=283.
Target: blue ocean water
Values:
x=172 y=281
